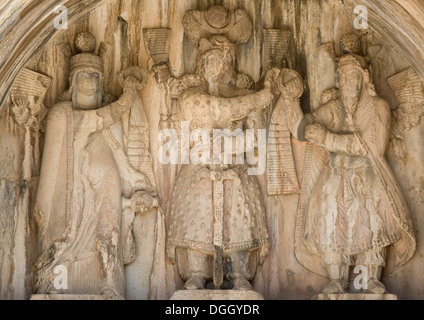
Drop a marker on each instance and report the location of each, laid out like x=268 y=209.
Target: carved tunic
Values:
x=192 y=210
x=350 y=210
x=79 y=199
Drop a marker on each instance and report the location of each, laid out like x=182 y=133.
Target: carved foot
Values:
x=335 y=287
x=195 y=283
x=241 y=284
x=111 y=294
x=375 y=286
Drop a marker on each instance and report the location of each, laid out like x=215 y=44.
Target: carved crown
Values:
x=352 y=60
x=350 y=43
x=86 y=44
x=217 y=20
x=220 y=43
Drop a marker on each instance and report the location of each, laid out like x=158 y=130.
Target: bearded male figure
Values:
x=352 y=210
x=204 y=244
x=217 y=226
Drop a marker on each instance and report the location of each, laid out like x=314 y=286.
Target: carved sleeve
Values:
x=344 y=143
x=112 y=113
x=200 y=106
x=137 y=180
x=176 y=86
x=296 y=120
x=119 y=155
x=378 y=135
x=331 y=115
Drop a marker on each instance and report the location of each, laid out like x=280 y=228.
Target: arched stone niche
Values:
x=29 y=40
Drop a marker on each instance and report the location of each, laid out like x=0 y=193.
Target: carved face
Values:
x=218 y=68
x=350 y=86
x=88 y=83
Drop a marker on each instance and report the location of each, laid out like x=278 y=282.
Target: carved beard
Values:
x=351 y=103
x=218 y=68
x=351 y=96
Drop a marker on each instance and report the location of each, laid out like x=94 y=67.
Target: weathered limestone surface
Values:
x=393 y=45
x=67 y=297
x=347 y=296
x=217 y=295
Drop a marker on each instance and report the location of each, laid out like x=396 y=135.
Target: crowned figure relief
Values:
x=352 y=211
x=217 y=228
x=91 y=174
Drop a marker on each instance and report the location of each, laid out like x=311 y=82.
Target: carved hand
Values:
x=161 y=73
x=20 y=110
x=133 y=79
x=142 y=202
x=139 y=181
x=290 y=84
x=271 y=80
x=316 y=133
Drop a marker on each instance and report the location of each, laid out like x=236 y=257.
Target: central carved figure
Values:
x=217 y=222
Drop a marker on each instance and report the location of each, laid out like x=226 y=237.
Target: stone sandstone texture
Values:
x=80 y=121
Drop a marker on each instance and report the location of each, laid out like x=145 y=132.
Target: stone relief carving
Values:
x=276 y=45
x=352 y=210
x=217 y=20
x=409 y=89
x=157 y=43
x=97 y=168
x=96 y=174
x=217 y=226
x=22 y=125
x=350 y=43
x=281 y=172
x=28 y=110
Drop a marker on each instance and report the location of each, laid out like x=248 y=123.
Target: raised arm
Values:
x=296 y=120
x=174 y=86
x=196 y=105
x=132 y=81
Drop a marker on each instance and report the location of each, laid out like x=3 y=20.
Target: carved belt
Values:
x=218 y=178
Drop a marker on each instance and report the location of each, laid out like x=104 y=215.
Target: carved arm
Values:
x=332 y=142
x=222 y=109
x=112 y=113
x=136 y=179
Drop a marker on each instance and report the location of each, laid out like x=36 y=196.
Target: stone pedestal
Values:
x=45 y=297
x=355 y=296
x=216 y=295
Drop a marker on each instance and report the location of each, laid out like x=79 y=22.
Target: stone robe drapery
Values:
x=354 y=183
x=78 y=204
x=192 y=210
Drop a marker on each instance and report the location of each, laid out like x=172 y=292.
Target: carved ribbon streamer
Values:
x=218 y=178
x=281 y=172
x=27 y=163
